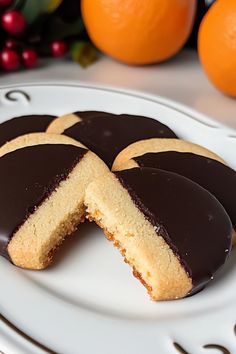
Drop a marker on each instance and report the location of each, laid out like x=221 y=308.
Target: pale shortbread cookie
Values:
x=141 y=243
x=124 y=159
x=153 y=263
x=33 y=244
x=36 y=139
x=106 y=134
x=60 y=124
x=21 y=125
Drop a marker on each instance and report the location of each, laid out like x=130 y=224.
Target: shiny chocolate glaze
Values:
x=107 y=134
x=190 y=219
x=27 y=178
x=212 y=175
x=23 y=125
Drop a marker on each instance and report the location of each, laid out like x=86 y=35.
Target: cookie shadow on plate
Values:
x=77 y=239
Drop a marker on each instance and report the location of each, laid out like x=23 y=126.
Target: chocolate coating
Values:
x=107 y=134
x=212 y=175
x=23 y=125
x=190 y=219
x=27 y=177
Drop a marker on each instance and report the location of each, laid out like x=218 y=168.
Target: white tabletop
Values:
x=180 y=79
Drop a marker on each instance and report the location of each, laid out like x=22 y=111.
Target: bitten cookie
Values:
x=125 y=159
x=173 y=233
x=24 y=125
x=42 y=189
x=189 y=160
x=107 y=134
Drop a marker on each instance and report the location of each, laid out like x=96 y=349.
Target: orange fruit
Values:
x=217 y=45
x=139 y=31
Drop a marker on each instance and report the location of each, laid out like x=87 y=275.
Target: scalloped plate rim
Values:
x=226 y=131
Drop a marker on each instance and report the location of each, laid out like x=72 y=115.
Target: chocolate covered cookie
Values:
x=17 y=126
x=42 y=186
x=107 y=134
x=174 y=233
x=125 y=159
x=35 y=139
x=189 y=160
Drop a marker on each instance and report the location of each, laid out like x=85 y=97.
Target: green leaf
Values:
x=53 y=5
x=58 y=29
x=31 y=9
x=83 y=53
x=18 y=4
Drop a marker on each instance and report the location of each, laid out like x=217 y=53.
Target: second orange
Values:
x=137 y=31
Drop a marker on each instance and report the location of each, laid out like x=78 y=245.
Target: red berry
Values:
x=5 y=2
x=11 y=43
x=29 y=58
x=13 y=22
x=10 y=59
x=58 y=48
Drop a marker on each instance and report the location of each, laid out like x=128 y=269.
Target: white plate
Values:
x=88 y=302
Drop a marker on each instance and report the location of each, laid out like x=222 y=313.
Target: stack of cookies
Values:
x=168 y=205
